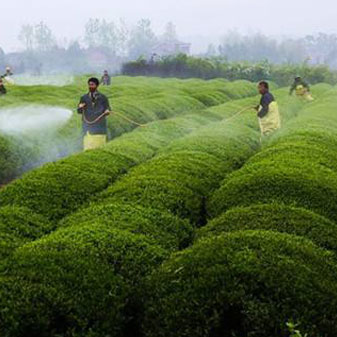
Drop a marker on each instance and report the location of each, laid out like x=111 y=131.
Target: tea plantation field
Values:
x=190 y=226
x=141 y=99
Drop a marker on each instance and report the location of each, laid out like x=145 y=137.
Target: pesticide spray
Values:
x=35 y=135
x=29 y=119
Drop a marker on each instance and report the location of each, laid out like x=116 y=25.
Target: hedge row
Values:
x=261 y=265
x=102 y=252
x=86 y=279
x=8 y=161
x=59 y=188
x=143 y=100
x=245 y=283
x=181 y=179
x=78 y=281
x=275 y=217
x=19 y=225
x=167 y=230
x=297 y=169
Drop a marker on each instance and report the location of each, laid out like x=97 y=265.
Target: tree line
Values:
x=110 y=44
x=313 y=49
x=183 y=66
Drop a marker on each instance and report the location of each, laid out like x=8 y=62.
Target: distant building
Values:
x=167 y=48
x=97 y=57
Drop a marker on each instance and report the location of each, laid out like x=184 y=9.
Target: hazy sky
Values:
x=192 y=17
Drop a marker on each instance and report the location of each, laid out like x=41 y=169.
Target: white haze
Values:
x=205 y=18
x=22 y=120
x=54 y=80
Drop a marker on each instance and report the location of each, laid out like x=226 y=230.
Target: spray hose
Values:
x=107 y=113
x=119 y=114
x=240 y=112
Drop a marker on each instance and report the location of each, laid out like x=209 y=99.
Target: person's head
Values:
x=263 y=87
x=93 y=84
x=105 y=72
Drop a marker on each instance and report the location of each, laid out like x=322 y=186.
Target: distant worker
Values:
x=301 y=88
x=8 y=72
x=7 y=76
x=94 y=108
x=106 y=78
x=3 y=90
x=267 y=111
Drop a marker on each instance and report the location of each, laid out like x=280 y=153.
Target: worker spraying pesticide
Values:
x=3 y=90
x=8 y=72
x=267 y=111
x=94 y=108
x=7 y=76
x=301 y=88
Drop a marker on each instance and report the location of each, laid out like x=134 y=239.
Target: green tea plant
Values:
x=243 y=283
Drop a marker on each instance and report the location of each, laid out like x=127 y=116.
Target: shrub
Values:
x=248 y=283
x=78 y=281
x=8 y=161
x=275 y=217
x=59 y=188
x=167 y=230
x=174 y=182
x=19 y=225
x=306 y=185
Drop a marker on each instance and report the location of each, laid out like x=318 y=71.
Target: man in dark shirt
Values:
x=267 y=111
x=106 y=78
x=3 y=90
x=94 y=108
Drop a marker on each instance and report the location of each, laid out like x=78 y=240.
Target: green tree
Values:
x=27 y=36
x=142 y=39
x=170 y=33
x=92 y=32
x=44 y=38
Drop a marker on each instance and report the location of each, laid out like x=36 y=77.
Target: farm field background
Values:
x=189 y=226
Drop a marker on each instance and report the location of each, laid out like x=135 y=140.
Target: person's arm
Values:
x=292 y=88
x=306 y=85
x=81 y=106
x=266 y=100
x=107 y=107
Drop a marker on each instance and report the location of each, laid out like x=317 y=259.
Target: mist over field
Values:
x=69 y=37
